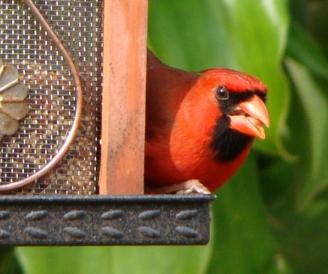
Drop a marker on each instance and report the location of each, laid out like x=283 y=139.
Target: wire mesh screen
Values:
x=51 y=96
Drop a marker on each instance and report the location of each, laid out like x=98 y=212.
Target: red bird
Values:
x=199 y=126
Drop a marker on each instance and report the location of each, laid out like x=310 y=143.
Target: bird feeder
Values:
x=72 y=129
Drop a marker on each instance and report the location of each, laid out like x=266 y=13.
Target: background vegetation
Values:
x=273 y=216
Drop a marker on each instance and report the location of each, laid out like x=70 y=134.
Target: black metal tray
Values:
x=105 y=220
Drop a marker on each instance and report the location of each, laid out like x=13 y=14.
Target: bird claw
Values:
x=193 y=187
x=185 y=188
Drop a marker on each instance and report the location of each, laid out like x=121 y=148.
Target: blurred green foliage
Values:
x=273 y=215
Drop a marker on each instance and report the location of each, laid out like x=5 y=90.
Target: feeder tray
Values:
x=55 y=133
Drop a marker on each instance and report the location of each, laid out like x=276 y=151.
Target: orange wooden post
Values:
x=123 y=102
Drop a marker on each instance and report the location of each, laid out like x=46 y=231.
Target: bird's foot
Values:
x=192 y=187
x=185 y=188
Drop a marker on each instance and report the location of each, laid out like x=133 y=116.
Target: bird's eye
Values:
x=222 y=93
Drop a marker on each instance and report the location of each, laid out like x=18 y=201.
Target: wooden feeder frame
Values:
x=121 y=214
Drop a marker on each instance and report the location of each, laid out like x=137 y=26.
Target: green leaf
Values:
x=299 y=10
x=303 y=239
x=189 y=34
x=242 y=238
x=248 y=35
x=65 y=260
x=8 y=261
x=161 y=260
x=114 y=260
x=305 y=50
x=315 y=105
x=276 y=183
x=317 y=21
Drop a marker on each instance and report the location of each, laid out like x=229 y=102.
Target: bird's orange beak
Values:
x=250 y=117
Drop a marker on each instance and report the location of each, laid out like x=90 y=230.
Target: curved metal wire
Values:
x=76 y=75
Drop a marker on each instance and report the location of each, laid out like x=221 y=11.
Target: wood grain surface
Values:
x=123 y=102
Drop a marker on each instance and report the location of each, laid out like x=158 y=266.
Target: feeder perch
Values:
x=72 y=130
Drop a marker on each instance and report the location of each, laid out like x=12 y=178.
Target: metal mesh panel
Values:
x=51 y=95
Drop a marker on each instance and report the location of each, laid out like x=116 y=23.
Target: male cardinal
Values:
x=199 y=126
